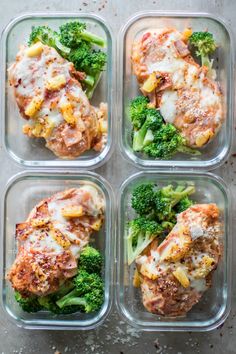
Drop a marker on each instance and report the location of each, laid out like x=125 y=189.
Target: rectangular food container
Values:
x=22 y=193
x=32 y=152
x=215 y=152
x=214 y=306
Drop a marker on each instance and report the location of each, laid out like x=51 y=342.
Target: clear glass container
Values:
x=214 y=306
x=32 y=187
x=215 y=152
x=32 y=152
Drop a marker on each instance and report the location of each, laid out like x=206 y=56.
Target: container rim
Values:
x=90 y=163
x=60 y=325
x=206 y=165
x=224 y=313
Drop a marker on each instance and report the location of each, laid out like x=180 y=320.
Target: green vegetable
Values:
x=205 y=46
x=156 y=209
x=90 y=260
x=141 y=232
x=137 y=111
x=167 y=198
x=143 y=199
x=88 y=293
x=183 y=204
x=72 y=33
x=28 y=304
x=151 y=135
x=153 y=122
x=48 y=37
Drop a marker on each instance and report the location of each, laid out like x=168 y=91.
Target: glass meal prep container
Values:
x=214 y=306
x=33 y=187
x=217 y=150
x=32 y=152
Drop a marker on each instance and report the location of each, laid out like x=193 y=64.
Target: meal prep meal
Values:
x=52 y=79
x=176 y=246
x=181 y=106
x=55 y=268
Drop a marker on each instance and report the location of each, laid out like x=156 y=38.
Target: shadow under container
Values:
x=214 y=306
x=216 y=151
x=28 y=189
x=32 y=152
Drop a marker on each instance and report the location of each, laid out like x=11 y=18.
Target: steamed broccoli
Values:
x=72 y=33
x=88 y=293
x=48 y=37
x=28 y=304
x=137 y=111
x=143 y=199
x=145 y=135
x=205 y=46
x=167 y=198
x=150 y=133
x=183 y=204
x=91 y=260
x=141 y=232
x=89 y=61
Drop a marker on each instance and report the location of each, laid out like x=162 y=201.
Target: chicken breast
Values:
x=51 y=239
x=175 y=274
x=185 y=93
x=50 y=97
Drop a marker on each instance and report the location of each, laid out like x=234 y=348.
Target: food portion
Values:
x=176 y=246
x=52 y=79
x=184 y=93
x=55 y=268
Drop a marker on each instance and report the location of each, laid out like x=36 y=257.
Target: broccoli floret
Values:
x=72 y=33
x=137 y=111
x=152 y=123
x=88 y=293
x=91 y=62
x=164 y=149
x=205 y=46
x=167 y=198
x=141 y=232
x=49 y=302
x=183 y=204
x=91 y=260
x=28 y=304
x=48 y=37
x=143 y=199
x=89 y=302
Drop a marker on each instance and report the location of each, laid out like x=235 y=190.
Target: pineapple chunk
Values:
x=67 y=112
x=136 y=279
x=56 y=82
x=96 y=226
x=181 y=276
x=60 y=238
x=103 y=126
x=26 y=129
x=34 y=106
x=72 y=211
x=39 y=222
x=35 y=50
x=187 y=33
x=203 y=137
x=151 y=83
x=206 y=266
x=37 y=130
x=147 y=271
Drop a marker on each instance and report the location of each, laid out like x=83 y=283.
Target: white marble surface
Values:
x=115 y=337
